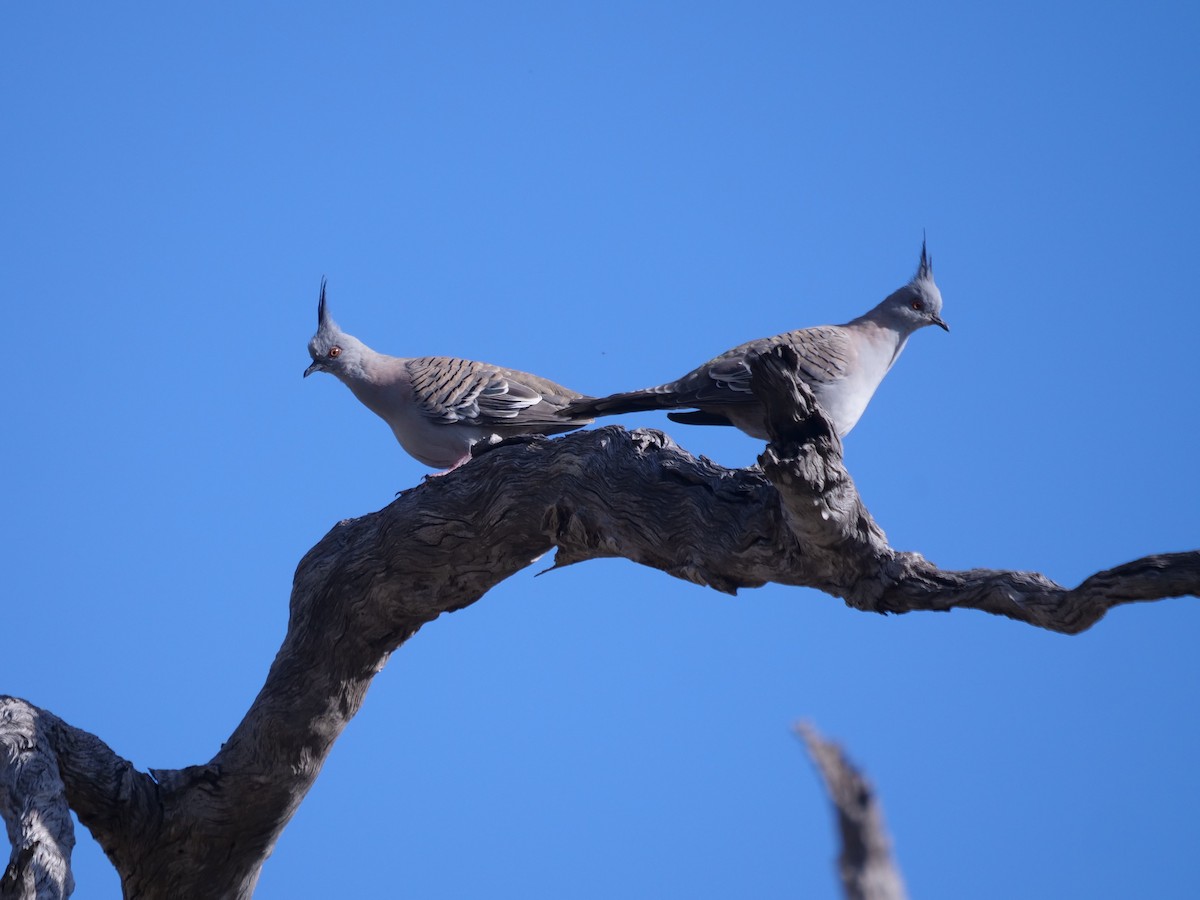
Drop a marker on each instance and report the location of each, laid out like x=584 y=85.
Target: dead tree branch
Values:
x=865 y=862
x=34 y=806
x=372 y=582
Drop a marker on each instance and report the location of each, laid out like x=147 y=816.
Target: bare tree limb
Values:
x=34 y=806
x=372 y=582
x=865 y=863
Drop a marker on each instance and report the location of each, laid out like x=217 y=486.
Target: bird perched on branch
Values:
x=843 y=364
x=438 y=407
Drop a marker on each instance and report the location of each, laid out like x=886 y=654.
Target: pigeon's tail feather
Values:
x=614 y=404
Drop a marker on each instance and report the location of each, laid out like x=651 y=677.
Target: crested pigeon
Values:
x=843 y=364
x=438 y=407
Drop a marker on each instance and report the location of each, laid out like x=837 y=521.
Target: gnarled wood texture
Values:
x=865 y=863
x=372 y=582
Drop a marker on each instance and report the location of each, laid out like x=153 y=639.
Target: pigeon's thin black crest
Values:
x=321 y=302
x=925 y=269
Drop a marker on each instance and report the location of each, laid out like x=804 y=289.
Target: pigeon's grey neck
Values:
x=885 y=336
x=885 y=316
x=375 y=378
x=883 y=333
x=369 y=375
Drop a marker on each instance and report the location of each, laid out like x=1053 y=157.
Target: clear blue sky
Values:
x=608 y=194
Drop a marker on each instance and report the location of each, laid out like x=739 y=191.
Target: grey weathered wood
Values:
x=865 y=863
x=34 y=809
x=372 y=582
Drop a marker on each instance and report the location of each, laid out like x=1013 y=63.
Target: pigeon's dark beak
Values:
x=315 y=367
x=937 y=320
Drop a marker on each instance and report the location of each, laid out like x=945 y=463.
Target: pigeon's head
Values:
x=331 y=349
x=918 y=303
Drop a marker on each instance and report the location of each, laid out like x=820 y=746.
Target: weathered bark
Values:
x=372 y=582
x=865 y=863
x=34 y=809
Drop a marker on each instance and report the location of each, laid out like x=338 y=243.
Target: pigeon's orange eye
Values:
x=917 y=305
x=335 y=351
